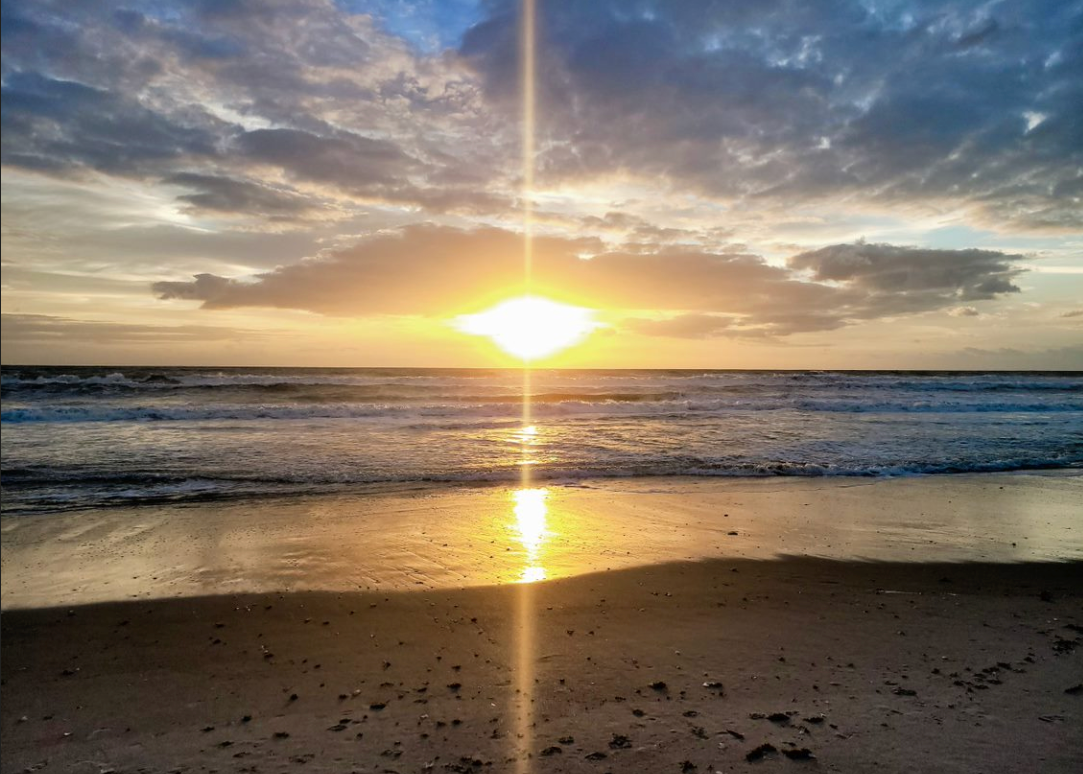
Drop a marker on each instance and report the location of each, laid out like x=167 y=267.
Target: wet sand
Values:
x=441 y=537
x=724 y=665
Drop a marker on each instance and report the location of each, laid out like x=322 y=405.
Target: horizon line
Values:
x=563 y=368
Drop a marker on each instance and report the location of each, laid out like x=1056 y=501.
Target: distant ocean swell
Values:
x=506 y=408
x=413 y=379
x=89 y=437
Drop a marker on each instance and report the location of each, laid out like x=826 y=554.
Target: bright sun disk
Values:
x=530 y=327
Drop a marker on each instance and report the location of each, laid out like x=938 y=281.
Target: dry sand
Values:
x=681 y=667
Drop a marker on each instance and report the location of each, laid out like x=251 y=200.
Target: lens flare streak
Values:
x=525 y=617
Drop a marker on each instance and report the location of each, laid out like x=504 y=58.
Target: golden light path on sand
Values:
x=530 y=523
x=530 y=520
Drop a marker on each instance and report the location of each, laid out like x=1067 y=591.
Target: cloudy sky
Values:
x=729 y=184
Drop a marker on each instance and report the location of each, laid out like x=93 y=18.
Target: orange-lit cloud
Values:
x=435 y=271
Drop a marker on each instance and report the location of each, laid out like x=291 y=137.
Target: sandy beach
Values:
x=670 y=644
x=706 y=666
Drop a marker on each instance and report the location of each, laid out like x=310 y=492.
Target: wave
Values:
x=433 y=381
x=175 y=379
x=39 y=490
x=693 y=468
x=90 y=437
x=116 y=379
x=550 y=405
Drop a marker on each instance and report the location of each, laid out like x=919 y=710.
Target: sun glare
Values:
x=530 y=327
x=530 y=518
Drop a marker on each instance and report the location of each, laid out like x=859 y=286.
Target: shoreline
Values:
x=434 y=486
x=452 y=537
x=678 y=667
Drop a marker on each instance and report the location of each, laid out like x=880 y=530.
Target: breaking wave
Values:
x=88 y=437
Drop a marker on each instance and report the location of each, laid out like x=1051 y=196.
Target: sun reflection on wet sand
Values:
x=530 y=521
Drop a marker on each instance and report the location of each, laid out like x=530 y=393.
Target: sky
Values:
x=778 y=184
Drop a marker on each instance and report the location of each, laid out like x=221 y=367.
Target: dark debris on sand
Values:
x=761 y=752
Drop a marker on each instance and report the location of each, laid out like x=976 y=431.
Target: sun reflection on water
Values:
x=531 y=511
x=527 y=439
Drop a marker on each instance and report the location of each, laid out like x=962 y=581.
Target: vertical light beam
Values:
x=524 y=608
x=526 y=194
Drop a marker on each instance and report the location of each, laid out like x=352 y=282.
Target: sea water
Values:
x=79 y=437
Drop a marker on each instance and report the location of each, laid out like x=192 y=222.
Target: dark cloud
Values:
x=349 y=161
x=962 y=104
x=782 y=102
x=223 y=194
x=299 y=93
x=58 y=125
x=965 y=275
x=192 y=43
x=428 y=270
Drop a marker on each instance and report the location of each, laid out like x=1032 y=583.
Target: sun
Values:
x=530 y=327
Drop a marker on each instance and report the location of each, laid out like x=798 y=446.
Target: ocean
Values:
x=84 y=437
